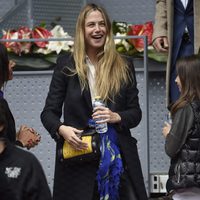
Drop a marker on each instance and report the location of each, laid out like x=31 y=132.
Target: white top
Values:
x=184 y=2
x=91 y=78
x=187 y=194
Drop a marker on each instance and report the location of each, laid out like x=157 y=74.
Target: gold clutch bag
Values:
x=68 y=153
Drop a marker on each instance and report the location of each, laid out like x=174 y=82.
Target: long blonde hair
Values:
x=111 y=70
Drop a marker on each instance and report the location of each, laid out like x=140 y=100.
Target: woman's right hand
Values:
x=73 y=137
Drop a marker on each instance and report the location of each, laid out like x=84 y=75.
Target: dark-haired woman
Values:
x=183 y=135
x=25 y=137
x=21 y=174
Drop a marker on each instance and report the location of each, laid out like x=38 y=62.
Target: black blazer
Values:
x=65 y=91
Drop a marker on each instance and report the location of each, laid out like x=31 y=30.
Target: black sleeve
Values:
x=132 y=114
x=52 y=111
x=11 y=130
x=36 y=187
x=6 y=192
x=18 y=143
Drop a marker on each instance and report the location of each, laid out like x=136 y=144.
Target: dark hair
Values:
x=4 y=65
x=188 y=70
x=3 y=117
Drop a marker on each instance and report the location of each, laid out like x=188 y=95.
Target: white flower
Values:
x=58 y=46
x=150 y=47
x=12 y=36
x=119 y=41
x=126 y=44
x=42 y=51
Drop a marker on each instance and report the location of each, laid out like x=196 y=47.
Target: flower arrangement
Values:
x=135 y=46
x=43 y=47
x=33 y=53
x=43 y=53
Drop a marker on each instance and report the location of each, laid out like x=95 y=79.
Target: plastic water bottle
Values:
x=103 y=127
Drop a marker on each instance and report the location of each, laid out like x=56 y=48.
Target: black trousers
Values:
x=126 y=190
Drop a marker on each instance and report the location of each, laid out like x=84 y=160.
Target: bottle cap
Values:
x=97 y=98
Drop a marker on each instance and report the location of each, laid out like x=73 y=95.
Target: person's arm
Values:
x=52 y=111
x=178 y=133
x=160 y=40
x=125 y=112
x=43 y=188
x=35 y=185
x=6 y=191
x=25 y=137
x=132 y=114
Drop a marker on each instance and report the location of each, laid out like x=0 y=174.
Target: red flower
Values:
x=141 y=29
x=24 y=33
x=11 y=46
x=18 y=47
x=40 y=32
x=39 y=47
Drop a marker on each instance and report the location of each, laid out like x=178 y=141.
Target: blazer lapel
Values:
x=86 y=92
x=87 y=97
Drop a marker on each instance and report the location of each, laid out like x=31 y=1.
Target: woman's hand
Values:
x=73 y=137
x=166 y=129
x=28 y=137
x=104 y=114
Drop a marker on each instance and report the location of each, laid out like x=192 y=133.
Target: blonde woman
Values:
x=95 y=68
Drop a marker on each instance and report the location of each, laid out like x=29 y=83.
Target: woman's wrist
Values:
x=60 y=129
x=19 y=143
x=117 y=118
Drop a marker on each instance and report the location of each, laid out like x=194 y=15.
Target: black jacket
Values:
x=11 y=133
x=77 y=182
x=23 y=175
x=185 y=156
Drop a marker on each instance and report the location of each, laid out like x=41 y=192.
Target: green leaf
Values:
x=51 y=58
x=157 y=56
x=30 y=62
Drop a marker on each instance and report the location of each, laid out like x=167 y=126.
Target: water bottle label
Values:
x=100 y=128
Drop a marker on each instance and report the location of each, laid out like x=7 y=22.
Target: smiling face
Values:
x=95 y=31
